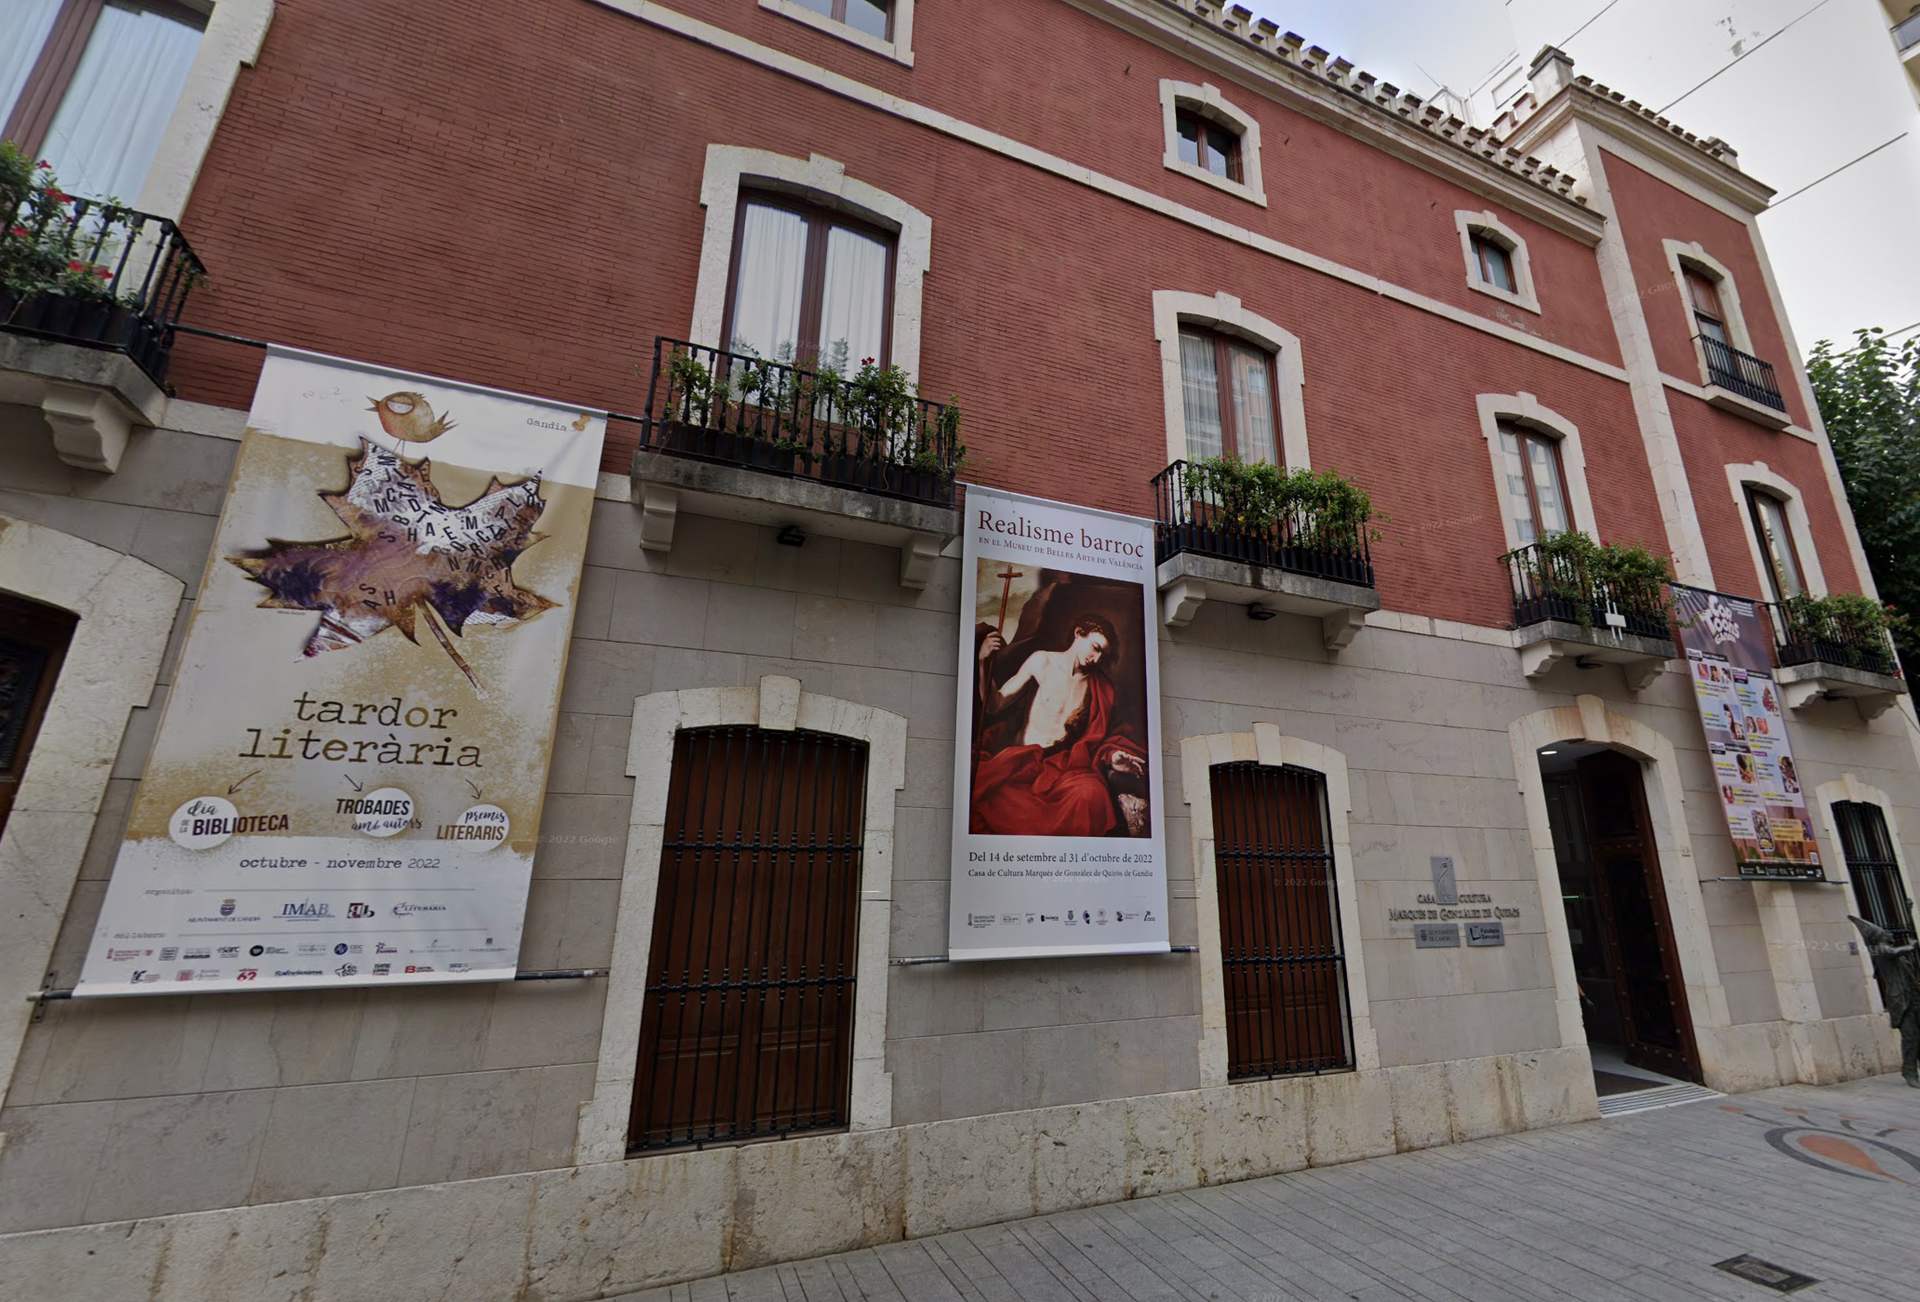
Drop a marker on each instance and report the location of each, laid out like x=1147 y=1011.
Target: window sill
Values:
x=1175 y=163
x=897 y=49
x=1524 y=301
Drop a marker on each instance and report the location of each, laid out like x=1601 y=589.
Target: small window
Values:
x=1535 y=482
x=1769 y=516
x=1227 y=392
x=809 y=285
x=91 y=87
x=1709 y=317
x=871 y=17
x=1871 y=862
x=1207 y=145
x=1495 y=264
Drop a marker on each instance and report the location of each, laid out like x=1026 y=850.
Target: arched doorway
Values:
x=33 y=645
x=1626 y=957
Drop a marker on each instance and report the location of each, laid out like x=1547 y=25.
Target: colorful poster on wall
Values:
x=1059 y=828
x=1729 y=646
x=346 y=785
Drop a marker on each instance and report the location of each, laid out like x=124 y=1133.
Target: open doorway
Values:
x=1633 y=999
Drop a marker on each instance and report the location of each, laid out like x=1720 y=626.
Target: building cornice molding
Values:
x=1282 y=68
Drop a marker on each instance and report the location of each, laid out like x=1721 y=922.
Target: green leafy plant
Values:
x=1571 y=567
x=43 y=248
x=1846 y=618
x=1318 y=509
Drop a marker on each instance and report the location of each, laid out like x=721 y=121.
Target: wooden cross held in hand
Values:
x=1007 y=576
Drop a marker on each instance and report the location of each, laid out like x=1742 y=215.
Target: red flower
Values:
x=58 y=196
x=44 y=165
x=76 y=266
x=20 y=232
x=102 y=272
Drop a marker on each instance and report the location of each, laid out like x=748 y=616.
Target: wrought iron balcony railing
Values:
x=1193 y=516
x=1739 y=373
x=1806 y=636
x=95 y=274
x=741 y=410
x=1550 y=586
x=1906 y=33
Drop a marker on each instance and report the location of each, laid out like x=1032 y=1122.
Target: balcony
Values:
x=1827 y=656
x=1211 y=543
x=1561 y=611
x=738 y=437
x=90 y=294
x=1906 y=35
x=1742 y=384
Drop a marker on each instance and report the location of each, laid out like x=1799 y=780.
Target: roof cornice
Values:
x=1255 y=54
x=1706 y=163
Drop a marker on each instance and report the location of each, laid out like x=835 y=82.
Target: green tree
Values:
x=1869 y=396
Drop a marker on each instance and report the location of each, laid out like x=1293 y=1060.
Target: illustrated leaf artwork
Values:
x=408 y=559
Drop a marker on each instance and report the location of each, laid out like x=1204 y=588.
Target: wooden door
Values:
x=33 y=642
x=747 y=1026
x=1280 y=949
x=1631 y=896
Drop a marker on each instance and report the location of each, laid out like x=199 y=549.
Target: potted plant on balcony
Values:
x=1569 y=576
x=1309 y=521
x=54 y=276
x=1844 y=628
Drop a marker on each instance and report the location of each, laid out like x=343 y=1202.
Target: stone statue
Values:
x=1899 y=969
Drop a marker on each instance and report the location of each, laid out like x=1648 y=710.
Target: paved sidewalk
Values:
x=1825 y=1182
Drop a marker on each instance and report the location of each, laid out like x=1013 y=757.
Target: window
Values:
x=1284 y=967
x=1769 y=516
x=1536 y=483
x=1207 y=145
x=1227 y=394
x=1710 y=318
x=1881 y=895
x=1495 y=264
x=809 y=284
x=31 y=649
x=90 y=85
x=870 y=17
x=747 y=1026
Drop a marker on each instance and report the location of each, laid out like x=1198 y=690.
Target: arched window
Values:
x=1210 y=139
x=1497 y=262
x=1233 y=381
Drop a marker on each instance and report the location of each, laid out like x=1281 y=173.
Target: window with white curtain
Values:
x=1535 y=481
x=809 y=285
x=1227 y=396
x=90 y=85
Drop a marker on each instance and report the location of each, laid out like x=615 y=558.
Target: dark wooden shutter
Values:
x=33 y=642
x=1285 y=969
x=747 y=1028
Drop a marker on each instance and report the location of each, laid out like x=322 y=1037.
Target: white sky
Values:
x=1826 y=90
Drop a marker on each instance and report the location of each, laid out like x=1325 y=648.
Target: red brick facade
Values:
x=510 y=195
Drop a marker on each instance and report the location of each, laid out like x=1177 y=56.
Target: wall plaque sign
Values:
x=1436 y=935
x=346 y=787
x=1481 y=935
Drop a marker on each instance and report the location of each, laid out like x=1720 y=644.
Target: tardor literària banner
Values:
x=1729 y=647
x=347 y=782
x=1058 y=825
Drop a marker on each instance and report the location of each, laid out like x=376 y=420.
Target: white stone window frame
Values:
x=1756 y=474
x=899 y=49
x=1267 y=745
x=1849 y=787
x=1684 y=257
x=1527 y=410
x=1206 y=100
x=1488 y=226
x=1224 y=313
x=230 y=42
x=777 y=704
x=126 y=611
x=825 y=182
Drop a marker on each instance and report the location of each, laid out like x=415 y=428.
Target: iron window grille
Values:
x=1283 y=962
x=1877 y=884
x=747 y=1026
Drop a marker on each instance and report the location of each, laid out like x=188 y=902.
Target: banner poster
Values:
x=1058 y=829
x=1729 y=646
x=346 y=785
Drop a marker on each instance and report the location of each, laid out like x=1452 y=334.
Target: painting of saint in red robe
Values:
x=1059 y=706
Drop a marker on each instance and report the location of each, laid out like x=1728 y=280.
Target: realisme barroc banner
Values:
x=346 y=785
x=1058 y=842
x=1729 y=650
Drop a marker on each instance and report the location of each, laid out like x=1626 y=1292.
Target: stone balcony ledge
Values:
x=1187 y=579
x=90 y=399
x=665 y=485
x=1545 y=644
x=1803 y=684
x=1757 y=412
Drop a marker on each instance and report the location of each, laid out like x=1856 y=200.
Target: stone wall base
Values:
x=595 y=1231
x=1760 y=1055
